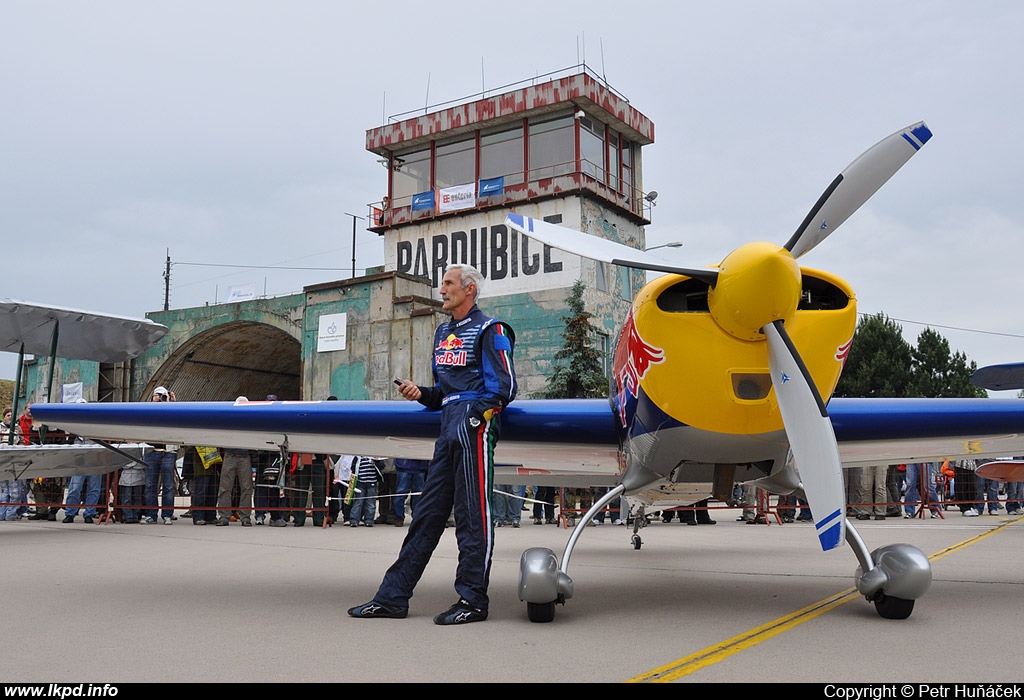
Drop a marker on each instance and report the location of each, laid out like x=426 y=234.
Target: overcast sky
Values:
x=233 y=132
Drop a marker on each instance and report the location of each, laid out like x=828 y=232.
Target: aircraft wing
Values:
x=543 y=442
x=571 y=442
x=1002 y=470
x=82 y=335
x=896 y=431
x=41 y=461
x=1005 y=377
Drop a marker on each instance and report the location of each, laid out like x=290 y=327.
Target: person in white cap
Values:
x=160 y=472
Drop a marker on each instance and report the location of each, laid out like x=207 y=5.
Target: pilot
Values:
x=474 y=379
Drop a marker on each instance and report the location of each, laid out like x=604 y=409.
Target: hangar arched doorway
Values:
x=241 y=358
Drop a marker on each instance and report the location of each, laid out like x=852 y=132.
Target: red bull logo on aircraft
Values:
x=449 y=352
x=633 y=358
x=843 y=352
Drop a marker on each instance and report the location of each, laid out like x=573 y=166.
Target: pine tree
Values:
x=880 y=359
x=937 y=373
x=579 y=372
x=883 y=364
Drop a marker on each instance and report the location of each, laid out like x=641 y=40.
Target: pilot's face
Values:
x=457 y=300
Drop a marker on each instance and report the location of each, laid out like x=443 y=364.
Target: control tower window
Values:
x=410 y=175
x=454 y=163
x=501 y=155
x=626 y=156
x=613 y=160
x=592 y=148
x=552 y=148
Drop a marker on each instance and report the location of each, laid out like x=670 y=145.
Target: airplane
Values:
x=720 y=375
x=1005 y=377
x=73 y=334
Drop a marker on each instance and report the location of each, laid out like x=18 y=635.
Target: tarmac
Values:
x=730 y=602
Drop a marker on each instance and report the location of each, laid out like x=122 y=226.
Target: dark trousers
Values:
x=547 y=508
x=205 y=486
x=131 y=502
x=460 y=478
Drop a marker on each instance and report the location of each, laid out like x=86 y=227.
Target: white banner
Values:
x=70 y=393
x=458 y=197
x=333 y=333
x=242 y=292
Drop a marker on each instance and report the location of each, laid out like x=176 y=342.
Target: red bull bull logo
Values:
x=843 y=351
x=452 y=342
x=633 y=358
x=449 y=352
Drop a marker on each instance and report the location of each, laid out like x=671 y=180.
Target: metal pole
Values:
x=354 y=217
x=167 y=281
x=17 y=392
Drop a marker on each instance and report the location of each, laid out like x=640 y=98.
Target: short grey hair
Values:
x=469 y=275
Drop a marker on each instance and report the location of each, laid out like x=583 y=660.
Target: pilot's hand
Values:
x=407 y=389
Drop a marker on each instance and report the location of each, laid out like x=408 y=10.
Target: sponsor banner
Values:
x=510 y=263
x=423 y=200
x=494 y=186
x=242 y=292
x=333 y=333
x=70 y=393
x=456 y=198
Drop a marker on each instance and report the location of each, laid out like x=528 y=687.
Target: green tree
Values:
x=880 y=360
x=883 y=364
x=579 y=372
x=6 y=392
x=939 y=373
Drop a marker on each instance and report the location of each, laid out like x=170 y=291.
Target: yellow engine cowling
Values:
x=705 y=376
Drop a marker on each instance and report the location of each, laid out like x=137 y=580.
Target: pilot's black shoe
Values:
x=375 y=609
x=460 y=614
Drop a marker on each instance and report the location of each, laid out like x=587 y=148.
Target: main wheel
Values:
x=893 y=608
x=540 y=612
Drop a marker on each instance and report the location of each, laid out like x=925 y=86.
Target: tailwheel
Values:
x=540 y=612
x=893 y=608
x=637 y=542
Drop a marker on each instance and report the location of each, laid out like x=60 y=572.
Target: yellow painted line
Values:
x=723 y=650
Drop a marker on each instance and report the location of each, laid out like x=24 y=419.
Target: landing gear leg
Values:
x=639 y=521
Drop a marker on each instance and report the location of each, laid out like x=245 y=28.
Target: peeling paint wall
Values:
x=390 y=324
x=64 y=372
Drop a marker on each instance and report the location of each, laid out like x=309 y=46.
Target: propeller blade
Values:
x=595 y=248
x=855 y=185
x=811 y=438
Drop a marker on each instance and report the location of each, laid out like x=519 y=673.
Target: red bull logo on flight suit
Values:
x=449 y=352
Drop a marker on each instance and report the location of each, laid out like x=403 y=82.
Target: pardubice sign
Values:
x=509 y=262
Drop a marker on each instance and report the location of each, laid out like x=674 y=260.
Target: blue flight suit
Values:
x=474 y=379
